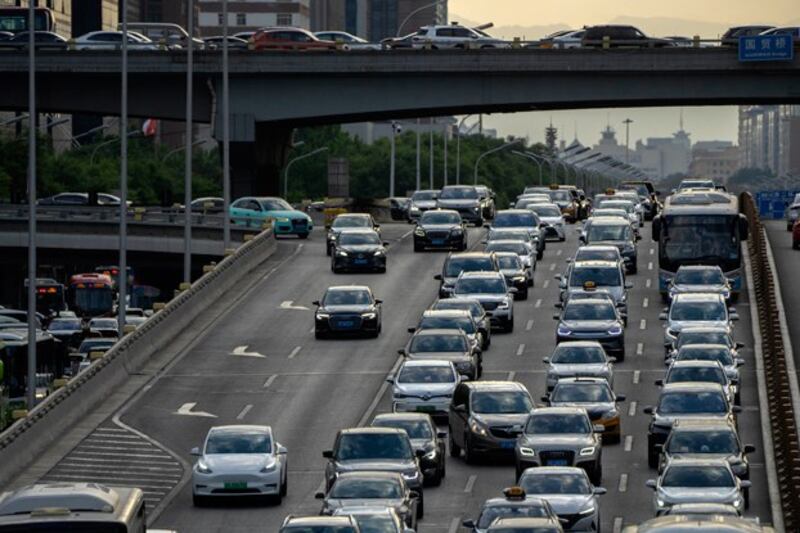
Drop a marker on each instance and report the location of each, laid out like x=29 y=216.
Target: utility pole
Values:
x=187 y=177
x=446 y=126
x=31 y=385
x=419 y=145
x=393 y=143
x=226 y=135
x=627 y=123
x=430 y=151
x=122 y=279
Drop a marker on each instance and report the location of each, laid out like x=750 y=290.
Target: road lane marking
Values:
x=312 y=330
x=643 y=324
x=269 y=381
x=646 y=302
x=186 y=410
x=470 y=483
x=648 y=283
x=244 y=411
x=241 y=351
x=628 y=443
x=546 y=284
x=623 y=483
x=295 y=351
x=640 y=348
x=617 y=525
x=529 y=325
x=637 y=374
x=632 y=409
x=558 y=252
x=652 y=251
x=381 y=391
x=650 y=265
x=552 y=267
x=455 y=524
x=511 y=375
x=520 y=349
x=288 y=304
x=538 y=303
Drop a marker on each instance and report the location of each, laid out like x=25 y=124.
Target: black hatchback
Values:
x=347 y=310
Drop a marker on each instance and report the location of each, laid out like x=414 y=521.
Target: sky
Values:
x=532 y=19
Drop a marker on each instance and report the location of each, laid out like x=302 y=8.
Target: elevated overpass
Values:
x=272 y=93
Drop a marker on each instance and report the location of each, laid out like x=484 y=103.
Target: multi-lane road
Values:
x=259 y=363
x=787 y=263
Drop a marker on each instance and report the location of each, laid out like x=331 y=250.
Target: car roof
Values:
x=428 y=362
x=318 y=520
x=609 y=221
x=462 y=299
x=596 y=263
x=435 y=332
x=513 y=211
x=581 y=379
x=362 y=231
x=554 y=470
x=506 y=254
x=374 y=474
x=348 y=288
x=470 y=254
x=241 y=428
x=402 y=416
x=449 y=211
x=527 y=502
x=353 y=215
x=515 y=522
x=579 y=344
x=696 y=461
x=588 y=301
x=482 y=275
x=695 y=363
x=599 y=246
x=698 y=297
x=496 y=242
x=698 y=267
x=691 y=387
x=694 y=347
x=495 y=385
x=702 y=424
x=370 y=431
x=559 y=410
x=447 y=313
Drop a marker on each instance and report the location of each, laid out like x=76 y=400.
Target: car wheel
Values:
x=443 y=471
x=509 y=326
x=420 y=506
x=652 y=454
x=464 y=245
x=562 y=239
x=597 y=474
x=523 y=295
x=303 y=235
x=418 y=248
x=327 y=250
x=455 y=449
x=285 y=486
x=737 y=398
x=747 y=498
x=320 y=335
x=382 y=270
x=517 y=472
x=621 y=356
x=634 y=269
x=469 y=454
x=198 y=501
x=539 y=255
x=479 y=223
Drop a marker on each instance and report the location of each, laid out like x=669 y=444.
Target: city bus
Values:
x=15 y=19
x=72 y=507
x=90 y=295
x=49 y=296
x=113 y=272
x=700 y=227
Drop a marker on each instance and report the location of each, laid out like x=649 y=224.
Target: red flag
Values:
x=150 y=127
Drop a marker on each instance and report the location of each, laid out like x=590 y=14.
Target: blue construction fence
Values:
x=773 y=204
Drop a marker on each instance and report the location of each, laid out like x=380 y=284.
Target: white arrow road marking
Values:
x=288 y=305
x=186 y=410
x=241 y=351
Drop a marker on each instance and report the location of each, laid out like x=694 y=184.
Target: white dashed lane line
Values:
x=623 y=483
x=628 y=443
x=470 y=483
x=617 y=525
x=643 y=324
x=520 y=349
x=295 y=351
x=546 y=284
x=529 y=325
x=455 y=524
x=552 y=267
x=270 y=380
x=538 y=303
x=244 y=412
x=632 y=409
x=646 y=302
x=639 y=348
x=637 y=374
x=648 y=283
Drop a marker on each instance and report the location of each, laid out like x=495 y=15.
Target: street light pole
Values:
x=187 y=177
x=627 y=123
x=419 y=145
x=423 y=8
x=458 y=149
x=393 y=144
x=489 y=152
x=445 y=152
x=292 y=162
x=226 y=134
x=122 y=282
x=532 y=158
x=430 y=154
x=31 y=385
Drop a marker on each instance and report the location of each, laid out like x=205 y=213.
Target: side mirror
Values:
x=745 y=483
x=628 y=285
x=195 y=452
x=390 y=381
x=739 y=345
x=512 y=290
x=412 y=330
x=638 y=237
x=739 y=361
x=315 y=302
x=598 y=428
x=558 y=305
x=748 y=449
x=658 y=447
x=282 y=450
x=487 y=226
x=460 y=408
x=545 y=359
x=734 y=317
x=438 y=277
x=469 y=524
x=620 y=397
x=545 y=399
x=612 y=359
x=736 y=409
x=559 y=277
x=319 y=495
x=385 y=243
x=420 y=453
x=556 y=317
x=658 y=382
x=648 y=410
x=327 y=454
x=378 y=301
x=662 y=316
x=599 y=491
x=623 y=316
x=582 y=239
x=650 y=483
x=402 y=351
x=441 y=434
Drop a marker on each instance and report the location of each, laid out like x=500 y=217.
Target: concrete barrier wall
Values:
x=22 y=443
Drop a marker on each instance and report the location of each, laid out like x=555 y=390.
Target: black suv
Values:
x=442 y=229
x=620 y=36
x=455 y=264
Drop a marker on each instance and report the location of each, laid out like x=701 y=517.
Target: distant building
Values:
x=656 y=156
x=716 y=160
x=250 y=15
x=375 y=20
x=769 y=138
x=609 y=146
x=340 y=15
x=369 y=132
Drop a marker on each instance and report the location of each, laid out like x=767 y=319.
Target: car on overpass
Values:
x=352 y=41
x=620 y=36
x=732 y=35
x=43 y=39
x=455 y=36
x=792 y=31
x=290 y=39
x=254 y=211
x=112 y=40
x=78 y=198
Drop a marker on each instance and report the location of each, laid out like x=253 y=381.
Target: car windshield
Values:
x=509 y=234
x=65 y=325
x=608 y=232
x=688 y=402
x=317 y=529
x=560 y=196
x=576 y=355
x=704 y=311
x=382 y=489
x=437 y=217
x=581 y=392
x=458 y=193
x=628 y=207
x=706 y=441
x=692 y=353
x=347 y=297
x=438 y=343
x=351 y=222
x=588 y=253
x=460 y=304
x=481 y=286
x=109 y=323
x=555 y=484
x=225 y=442
x=347 y=238
x=608 y=212
x=600 y=276
x=510 y=262
x=456 y=265
x=696 y=476
x=448 y=322
x=375 y=524
x=704 y=337
x=501 y=402
x=422 y=196
x=358 y=446
x=710 y=276
x=581 y=310
x=490 y=514
x=546 y=210
x=515 y=220
x=426 y=374
x=416 y=429
x=544 y=424
x=275 y=204
x=698 y=374
x=516 y=247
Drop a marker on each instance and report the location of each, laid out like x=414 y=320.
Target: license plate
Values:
x=426 y=408
x=508 y=444
x=347 y=324
x=437 y=242
x=360 y=261
x=238 y=485
x=557 y=462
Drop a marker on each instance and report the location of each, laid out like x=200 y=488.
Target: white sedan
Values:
x=239 y=460
x=112 y=40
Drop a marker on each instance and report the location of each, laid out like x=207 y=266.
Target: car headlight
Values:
x=431 y=455
x=369 y=316
x=203 y=467
x=414 y=209
x=672 y=333
x=613 y=413
x=737 y=502
x=419 y=232
x=475 y=427
x=589 y=450
x=616 y=330
x=518 y=279
x=411 y=474
x=341 y=253
x=457 y=231
x=563 y=330
x=281 y=219
x=587 y=512
x=660 y=502
x=378 y=253
x=269 y=467
x=503 y=305
x=323 y=316
x=527 y=452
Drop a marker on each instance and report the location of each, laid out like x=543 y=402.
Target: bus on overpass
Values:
x=15 y=19
x=700 y=227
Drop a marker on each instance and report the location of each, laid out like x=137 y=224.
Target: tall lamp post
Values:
x=489 y=152
x=226 y=133
x=187 y=178
x=31 y=385
x=419 y=9
x=122 y=281
x=532 y=158
x=419 y=169
x=396 y=128
x=458 y=147
x=627 y=123
x=292 y=162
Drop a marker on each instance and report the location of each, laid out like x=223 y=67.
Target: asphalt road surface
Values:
x=308 y=389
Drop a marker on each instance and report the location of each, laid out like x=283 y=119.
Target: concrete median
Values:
x=30 y=437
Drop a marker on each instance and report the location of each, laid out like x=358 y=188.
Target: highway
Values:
x=308 y=389
x=787 y=263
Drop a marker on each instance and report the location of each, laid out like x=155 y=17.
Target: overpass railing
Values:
x=778 y=387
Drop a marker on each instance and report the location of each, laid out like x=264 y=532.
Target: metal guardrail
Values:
x=779 y=395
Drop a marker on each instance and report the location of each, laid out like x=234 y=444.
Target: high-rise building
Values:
x=716 y=160
x=375 y=20
x=769 y=138
x=250 y=15
x=340 y=15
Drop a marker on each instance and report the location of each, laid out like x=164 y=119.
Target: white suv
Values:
x=455 y=36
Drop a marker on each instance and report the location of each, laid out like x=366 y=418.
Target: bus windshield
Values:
x=699 y=239
x=93 y=301
x=15 y=19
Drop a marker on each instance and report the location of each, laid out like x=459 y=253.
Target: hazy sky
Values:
x=676 y=17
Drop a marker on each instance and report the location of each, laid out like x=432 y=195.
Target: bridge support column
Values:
x=257 y=167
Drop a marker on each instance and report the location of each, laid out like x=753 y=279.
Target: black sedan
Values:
x=442 y=228
x=424 y=436
x=359 y=249
x=347 y=310
x=593 y=319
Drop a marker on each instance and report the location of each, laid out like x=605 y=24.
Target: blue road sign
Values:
x=766 y=48
x=772 y=204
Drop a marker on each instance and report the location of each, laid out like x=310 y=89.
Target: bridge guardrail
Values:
x=780 y=406
x=29 y=438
